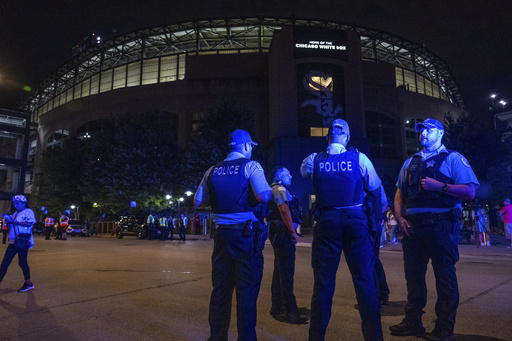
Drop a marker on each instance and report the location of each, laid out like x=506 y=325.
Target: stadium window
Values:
x=150 y=71
x=133 y=74
x=428 y=87
x=106 y=81
x=409 y=80
x=69 y=95
x=95 y=80
x=399 y=74
x=420 y=81
x=318 y=131
x=119 y=77
x=78 y=91
x=181 y=71
x=168 y=69
x=57 y=138
x=435 y=90
x=86 y=87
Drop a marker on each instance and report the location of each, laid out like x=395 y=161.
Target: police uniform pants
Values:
x=380 y=274
x=438 y=242
x=284 y=268
x=183 y=233
x=346 y=230
x=235 y=265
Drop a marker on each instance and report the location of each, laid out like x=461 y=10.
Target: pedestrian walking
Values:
x=20 y=239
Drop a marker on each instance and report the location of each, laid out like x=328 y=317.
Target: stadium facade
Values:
x=297 y=75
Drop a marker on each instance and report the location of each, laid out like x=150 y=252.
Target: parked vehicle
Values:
x=38 y=228
x=129 y=225
x=76 y=228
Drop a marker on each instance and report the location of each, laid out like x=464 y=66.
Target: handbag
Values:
x=22 y=240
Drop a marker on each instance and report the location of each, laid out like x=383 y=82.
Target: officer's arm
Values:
x=286 y=215
x=466 y=192
x=258 y=182
x=307 y=166
x=399 y=206
x=375 y=198
x=263 y=196
x=202 y=191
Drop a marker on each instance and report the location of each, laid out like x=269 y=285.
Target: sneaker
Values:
x=437 y=335
x=488 y=243
x=482 y=244
x=26 y=287
x=406 y=328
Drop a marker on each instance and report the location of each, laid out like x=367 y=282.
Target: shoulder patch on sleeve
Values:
x=465 y=162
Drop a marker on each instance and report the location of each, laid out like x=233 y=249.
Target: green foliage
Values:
x=488 y=153
x=57 y=186
x=210 y=143
x=136 y=159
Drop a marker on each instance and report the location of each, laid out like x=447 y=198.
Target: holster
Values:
x=260 y=236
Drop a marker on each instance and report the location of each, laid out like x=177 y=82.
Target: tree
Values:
x=488 y=153
x=136 y=159
x=210 y=143
x=57 y=185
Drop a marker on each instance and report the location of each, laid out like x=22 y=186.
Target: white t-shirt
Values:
x=27 y=215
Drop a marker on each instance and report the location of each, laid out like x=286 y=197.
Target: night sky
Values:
x=473 y=37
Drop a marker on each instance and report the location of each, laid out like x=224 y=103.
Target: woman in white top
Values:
x=19 y=222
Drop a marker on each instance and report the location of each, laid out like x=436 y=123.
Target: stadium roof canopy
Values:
x=227 y=36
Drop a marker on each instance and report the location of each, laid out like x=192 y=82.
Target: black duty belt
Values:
x=239 y=226
x=428 y=218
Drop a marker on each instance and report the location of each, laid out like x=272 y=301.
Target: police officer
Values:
x=283 y=221
x=340 y=178
x=233 y=187
x=150 y=221
x=430 y=188
x=183 y=227
x=165 y=228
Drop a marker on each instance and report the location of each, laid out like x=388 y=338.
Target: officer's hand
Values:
x=404 y=224
x=293 y=238
x=430 y=184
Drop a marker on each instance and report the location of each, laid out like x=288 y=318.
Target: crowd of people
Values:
x=163 y=227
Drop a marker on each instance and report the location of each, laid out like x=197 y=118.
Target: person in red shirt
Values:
x=506 y=217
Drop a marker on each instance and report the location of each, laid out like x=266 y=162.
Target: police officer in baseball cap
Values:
x=340 y=179
x=236 y=262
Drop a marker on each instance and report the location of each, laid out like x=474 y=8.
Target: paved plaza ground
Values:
x=102 y=288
